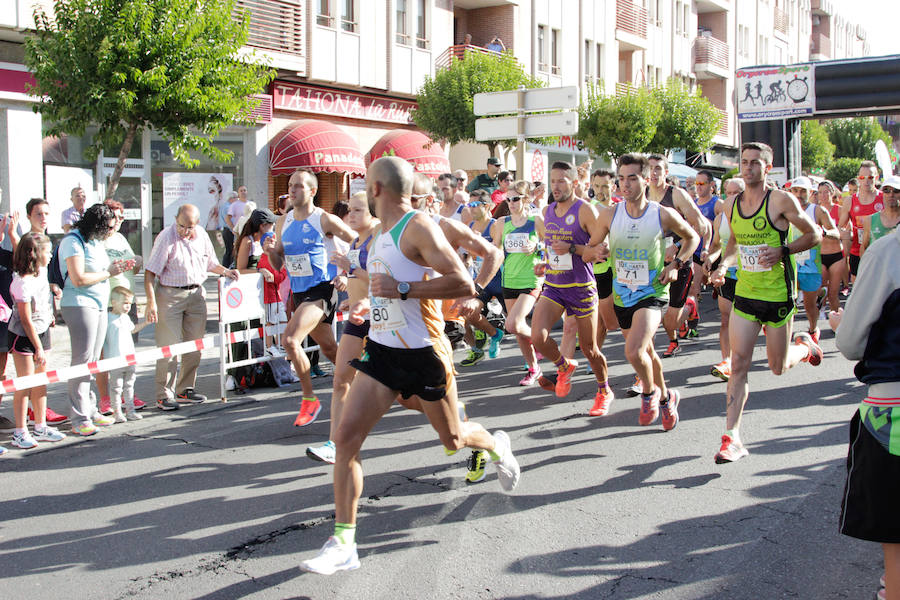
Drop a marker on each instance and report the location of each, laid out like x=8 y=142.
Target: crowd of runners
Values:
x=437 y=264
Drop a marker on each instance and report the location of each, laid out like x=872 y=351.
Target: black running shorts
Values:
x=424 y=372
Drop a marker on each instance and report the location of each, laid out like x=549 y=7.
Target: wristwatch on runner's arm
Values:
x=403 y=289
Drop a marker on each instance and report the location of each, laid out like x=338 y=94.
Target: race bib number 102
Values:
x=750 y=256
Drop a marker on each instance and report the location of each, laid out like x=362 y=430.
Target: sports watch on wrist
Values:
x=403 y=289
x=785 y=251
x=572 y=248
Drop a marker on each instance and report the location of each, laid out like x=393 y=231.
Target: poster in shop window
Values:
x=207 y=191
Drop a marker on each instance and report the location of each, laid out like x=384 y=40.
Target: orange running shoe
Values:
x=602 y=401
x=309 y=410
x=669 y=410
x=730 y=451
x=672 y=350
x=815 y=352
x=722 y=370
x=564 y=378
x=649 y=408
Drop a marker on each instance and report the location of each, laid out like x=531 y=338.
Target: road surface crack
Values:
x=176 y=439
x=407 y=479
x=245 y=549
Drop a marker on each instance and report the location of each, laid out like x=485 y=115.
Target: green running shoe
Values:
x=481 y=339
x=475 y=356
x=476 y=465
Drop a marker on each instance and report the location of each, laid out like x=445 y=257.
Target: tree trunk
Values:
x=120 y=163
x=492 y=148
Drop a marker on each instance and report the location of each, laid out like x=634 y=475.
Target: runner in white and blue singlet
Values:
x=302 y=236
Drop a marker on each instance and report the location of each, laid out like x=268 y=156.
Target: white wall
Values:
x=21 y=157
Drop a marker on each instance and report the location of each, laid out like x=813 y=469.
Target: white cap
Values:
x=892 y=182
x=802 y=182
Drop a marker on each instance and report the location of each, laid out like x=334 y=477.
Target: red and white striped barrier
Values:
x=145 y=356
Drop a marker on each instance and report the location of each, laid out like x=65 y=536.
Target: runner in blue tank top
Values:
x=301 y=236
x=570 y=228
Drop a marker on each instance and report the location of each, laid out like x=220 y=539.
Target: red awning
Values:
x=425 y=155
x=317 y=145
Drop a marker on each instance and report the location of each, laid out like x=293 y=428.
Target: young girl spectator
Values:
x=119 y=342
x=29 y=336
x=272 y=298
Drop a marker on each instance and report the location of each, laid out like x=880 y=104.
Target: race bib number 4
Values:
x=633 y=273
x=517 y=243
x=385 y=315
x=560 y=262
x=298 y=265
x=750 y=256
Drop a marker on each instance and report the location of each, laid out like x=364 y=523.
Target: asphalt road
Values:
x=218 y=501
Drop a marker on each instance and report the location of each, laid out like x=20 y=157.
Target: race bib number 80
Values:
x=750 y=256
x=385 y=315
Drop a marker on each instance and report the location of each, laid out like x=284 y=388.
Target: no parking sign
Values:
x=241 y=300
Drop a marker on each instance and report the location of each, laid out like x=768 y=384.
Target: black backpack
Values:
x=54 y=273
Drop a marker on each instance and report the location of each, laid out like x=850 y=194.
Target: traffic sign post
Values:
x=521 y=126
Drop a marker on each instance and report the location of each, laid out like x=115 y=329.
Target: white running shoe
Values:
x=507 y=467
x=324 y=453
x=333 y=557
x=49 y=434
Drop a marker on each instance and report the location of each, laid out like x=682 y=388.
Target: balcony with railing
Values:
x=458 y=52
x=631 y=24
x=819 y=47
x=782 y=21
x=710 y=58
x=275 y=25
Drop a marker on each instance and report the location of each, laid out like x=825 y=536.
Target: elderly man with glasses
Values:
x=182 y=256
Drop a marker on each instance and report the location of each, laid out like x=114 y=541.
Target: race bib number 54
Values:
x=298 y=265
x=750 y=256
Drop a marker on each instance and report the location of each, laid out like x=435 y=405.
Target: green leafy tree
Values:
x=445 y=101
x=618 y=124
x=844 y=169
x=121 y=65
x=688 y=122
x=816 y=150
x=855 y=138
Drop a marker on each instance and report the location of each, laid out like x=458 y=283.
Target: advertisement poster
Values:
x=206 y=191
x=765 y=93
x=60 y=181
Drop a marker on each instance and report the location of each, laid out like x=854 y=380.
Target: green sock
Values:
x=493 y=454
x=733 y=435
x=345 y=533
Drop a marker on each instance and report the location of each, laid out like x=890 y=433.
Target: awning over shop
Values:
x=424 y=154
x=317 y=145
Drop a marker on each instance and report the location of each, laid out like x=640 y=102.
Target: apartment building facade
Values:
x=348 y=71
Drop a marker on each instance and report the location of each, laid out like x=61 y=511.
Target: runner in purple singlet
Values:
x=569 y=285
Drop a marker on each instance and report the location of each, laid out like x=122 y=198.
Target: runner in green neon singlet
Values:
x=760 y=219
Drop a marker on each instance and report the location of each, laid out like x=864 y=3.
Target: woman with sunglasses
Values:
x=483 y=329
x=885 y=221
x=519 y=236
